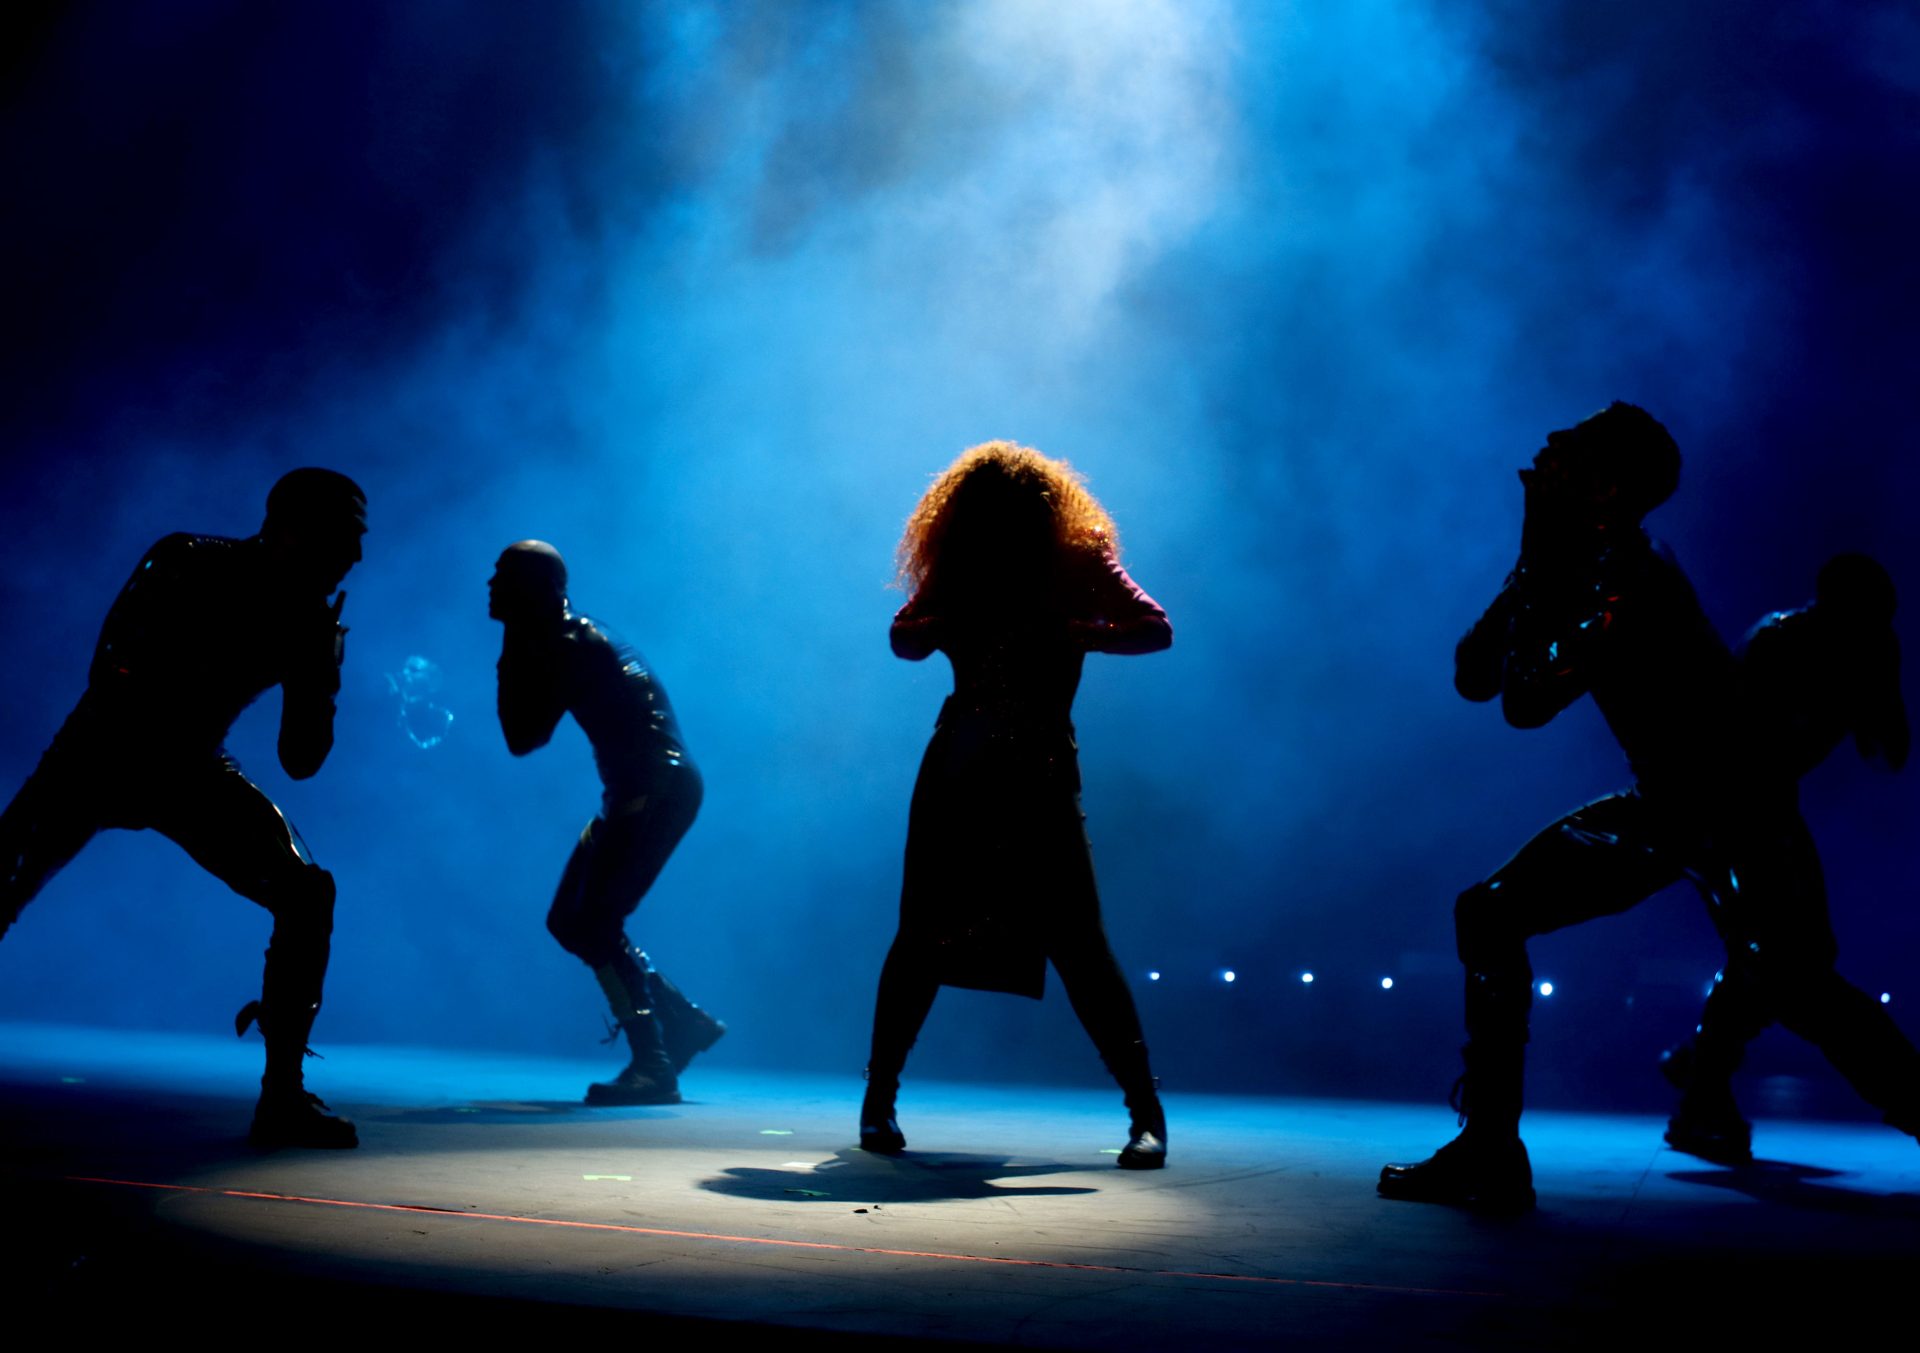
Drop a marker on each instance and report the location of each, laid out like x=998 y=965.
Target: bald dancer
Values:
x=555 y=661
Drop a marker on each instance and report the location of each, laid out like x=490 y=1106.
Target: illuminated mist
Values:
x=704 y=293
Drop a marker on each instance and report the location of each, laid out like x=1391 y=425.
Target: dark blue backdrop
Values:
x=703 y=293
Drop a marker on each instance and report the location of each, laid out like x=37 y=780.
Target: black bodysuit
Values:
x=198 y=633
x=1798 y=696
x=651 y=790
x=1628 y=628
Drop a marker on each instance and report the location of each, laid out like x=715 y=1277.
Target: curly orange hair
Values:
x=1079 y=522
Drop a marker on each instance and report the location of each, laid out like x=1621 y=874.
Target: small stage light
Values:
x=1886 y=998
x=1386 y=984
x=1153 y=976
x=1227 y=976
x=1546 y=988
x=1306 y=977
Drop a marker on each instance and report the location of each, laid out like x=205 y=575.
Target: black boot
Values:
x=1486 y=1167
x=879 y=1129
x=1146 y=1147
x=685 y=1029
x=1488 y=1172
x=649 y=1077
x=297 y=1117
x=1707 y=1122
x=287 y=1113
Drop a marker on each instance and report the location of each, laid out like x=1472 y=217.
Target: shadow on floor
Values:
x=524 y=1112
x=856 y=1176
x=1803 y=1186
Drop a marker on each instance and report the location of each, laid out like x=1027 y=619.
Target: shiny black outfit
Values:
x=651 y=793
x=1801 y=690
x=1628 y=629
x=199 y=632
x=998 y=876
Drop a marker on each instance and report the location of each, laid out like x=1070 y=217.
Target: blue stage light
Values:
x=1546 y=988
x=1886 y=998
x=1227 y=976
x=1153 y=976
x=1306 y=977
x=1386 y=984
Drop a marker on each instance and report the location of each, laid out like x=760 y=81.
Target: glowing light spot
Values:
x=1153 y=976
x=1546 y=988
x=1886 y=998
x=1386 y=984
x=1227 y=976
x=1307 y=977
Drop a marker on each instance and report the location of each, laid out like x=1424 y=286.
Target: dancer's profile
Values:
x=1013 y=573
x=555 y=661
x=1808 y=679
x=1594 y=606
x=205 y=625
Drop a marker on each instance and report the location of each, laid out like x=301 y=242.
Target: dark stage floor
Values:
x=486 y=1199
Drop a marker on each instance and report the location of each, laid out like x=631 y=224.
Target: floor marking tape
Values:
x=565 y=1224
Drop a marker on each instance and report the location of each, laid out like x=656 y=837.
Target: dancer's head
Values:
x=1615 y=466
x=1000 y=512
x=315 y=519
x=529 y=582
x=1856 y=593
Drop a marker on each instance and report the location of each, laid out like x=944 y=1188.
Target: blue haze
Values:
x=704 y=293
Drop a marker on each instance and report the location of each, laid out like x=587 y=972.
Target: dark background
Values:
x=704 y=293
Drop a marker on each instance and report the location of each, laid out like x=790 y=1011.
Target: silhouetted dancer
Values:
x=1594 y=606
x=1014 y=576
x=1807 y=679
x=204 y=626
x=556 y=661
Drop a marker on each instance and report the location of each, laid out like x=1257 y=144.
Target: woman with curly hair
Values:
x=1012 y=571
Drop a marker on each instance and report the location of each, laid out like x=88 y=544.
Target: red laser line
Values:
x=783 y=1244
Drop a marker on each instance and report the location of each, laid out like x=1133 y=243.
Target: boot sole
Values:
x=619 y=1099
x=269 y=1141
x=1493 y=1204
x=1716 y=1150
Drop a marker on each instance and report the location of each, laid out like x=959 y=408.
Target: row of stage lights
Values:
x=1544 y=988
x=1229 y=977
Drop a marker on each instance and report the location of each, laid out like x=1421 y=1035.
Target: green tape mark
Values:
x=73 y=1080
x=623 y=1178
x=776 y=1132
x=810 y=1193
x=1109 y=1150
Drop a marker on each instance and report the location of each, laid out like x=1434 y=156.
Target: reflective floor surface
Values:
x=486 y=1198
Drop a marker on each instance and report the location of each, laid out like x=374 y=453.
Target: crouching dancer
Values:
x=555 y=661
x=205 y=625
x=1594 y=606
x=1808 y=679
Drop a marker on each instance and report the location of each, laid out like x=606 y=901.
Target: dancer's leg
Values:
x=1598 y=860
x=907 y=989
x=1101 y=998
x=234 y=831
